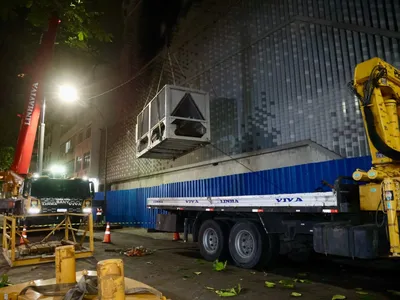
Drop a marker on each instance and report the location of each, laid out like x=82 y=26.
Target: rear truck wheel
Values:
x=213 y=241
x=250 y=246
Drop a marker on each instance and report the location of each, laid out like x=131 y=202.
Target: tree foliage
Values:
x=80 y=20
x=6 y=157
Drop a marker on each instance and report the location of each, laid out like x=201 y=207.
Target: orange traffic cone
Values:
x=107 y=234
x=176 y=236
x=23 y=236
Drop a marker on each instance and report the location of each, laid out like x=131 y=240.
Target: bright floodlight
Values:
x=68 y=93
x=36 y=175
x=58 y=169
x=85 y=178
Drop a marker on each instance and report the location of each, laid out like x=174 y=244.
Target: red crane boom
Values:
x=30 y=118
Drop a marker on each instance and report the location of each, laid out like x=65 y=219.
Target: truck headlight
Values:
x=33 y=210
x=87 y=210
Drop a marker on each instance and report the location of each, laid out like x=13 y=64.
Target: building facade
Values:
x=277 y=74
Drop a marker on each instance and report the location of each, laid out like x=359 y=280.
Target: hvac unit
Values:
x=176 y=121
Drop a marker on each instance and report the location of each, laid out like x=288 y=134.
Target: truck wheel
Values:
x=249 y=246
x=212 y=240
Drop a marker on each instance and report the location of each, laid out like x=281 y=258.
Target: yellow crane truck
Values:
x=357 y=219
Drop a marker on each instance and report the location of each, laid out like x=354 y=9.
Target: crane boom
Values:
x=377 y=87
x=30 y=118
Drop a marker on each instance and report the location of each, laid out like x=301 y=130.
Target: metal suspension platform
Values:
x=108 y=282
x=20 y=251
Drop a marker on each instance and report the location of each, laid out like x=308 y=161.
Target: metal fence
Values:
x=128 y=207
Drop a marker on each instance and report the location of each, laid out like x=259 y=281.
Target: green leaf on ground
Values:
x=287 y=283
x=219 y=265
x=229 y=292
x=4 y=281
x=393 y=292
x=210 y=288
x=358 y=289
x=295 y=294
x=361 y=293
x=338 y=297
x=270 y=284
x=200 y=261
x=197 y=273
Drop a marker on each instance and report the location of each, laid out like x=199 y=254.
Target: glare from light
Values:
x=68 y=93
x=58 y=169
x=87 y=210
x=85 y=178
x=36 y=175
x=33 y=210
x=95 y=183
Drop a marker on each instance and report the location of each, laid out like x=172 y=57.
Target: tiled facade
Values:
x=276 y=72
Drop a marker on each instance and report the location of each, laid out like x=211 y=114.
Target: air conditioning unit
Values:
x=175 y=122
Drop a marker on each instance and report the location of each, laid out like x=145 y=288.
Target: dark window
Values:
x=86 y=160
x=88 y=132
x=80 y=137
x=78 y=163
x=70 y=167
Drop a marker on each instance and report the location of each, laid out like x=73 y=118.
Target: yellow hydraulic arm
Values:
x=377 y=87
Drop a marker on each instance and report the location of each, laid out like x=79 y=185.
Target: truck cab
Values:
x=45 y=195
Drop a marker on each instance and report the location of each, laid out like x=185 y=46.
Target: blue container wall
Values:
x=129 y=206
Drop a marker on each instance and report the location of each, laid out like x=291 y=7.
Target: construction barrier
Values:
x=28 y=253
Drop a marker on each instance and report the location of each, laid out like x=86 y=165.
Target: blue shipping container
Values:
x=129 y=206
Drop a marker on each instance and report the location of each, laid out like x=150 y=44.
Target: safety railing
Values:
x=28 y=253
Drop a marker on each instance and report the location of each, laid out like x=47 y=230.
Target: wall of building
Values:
x=278 y=157
x=276 y=71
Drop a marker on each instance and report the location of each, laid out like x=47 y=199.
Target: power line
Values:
x=141 y=71
x=248 y=168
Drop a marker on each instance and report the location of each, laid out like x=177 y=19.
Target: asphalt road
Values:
x=171 y=270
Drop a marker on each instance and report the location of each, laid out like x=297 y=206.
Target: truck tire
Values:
x=250 y=246
x=213 y=243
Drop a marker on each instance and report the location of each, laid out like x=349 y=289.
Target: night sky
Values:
x=18 y=46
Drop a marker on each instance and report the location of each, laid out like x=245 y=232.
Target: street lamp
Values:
x=68 y=93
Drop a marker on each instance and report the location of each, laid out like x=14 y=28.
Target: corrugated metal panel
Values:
x=129 y=206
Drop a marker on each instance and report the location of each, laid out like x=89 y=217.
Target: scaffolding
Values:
x=31 y=253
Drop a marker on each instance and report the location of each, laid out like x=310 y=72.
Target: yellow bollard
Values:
x=111 y=279
x=65 y=264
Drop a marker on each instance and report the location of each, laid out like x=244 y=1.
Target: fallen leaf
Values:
x=219 y=265
x=200 y=261
x=210 y=288
x=338 y=297
x=361 y=293
x=287 y=283
x=253 y=273
x=149 y=262
x=358 y=289
x=394 y=292
x=229 y=292
x=197 y=273
x=295 y=294
x=270 y=284
x=304 y=281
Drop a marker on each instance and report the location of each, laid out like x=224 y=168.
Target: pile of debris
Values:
x=138 y=251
